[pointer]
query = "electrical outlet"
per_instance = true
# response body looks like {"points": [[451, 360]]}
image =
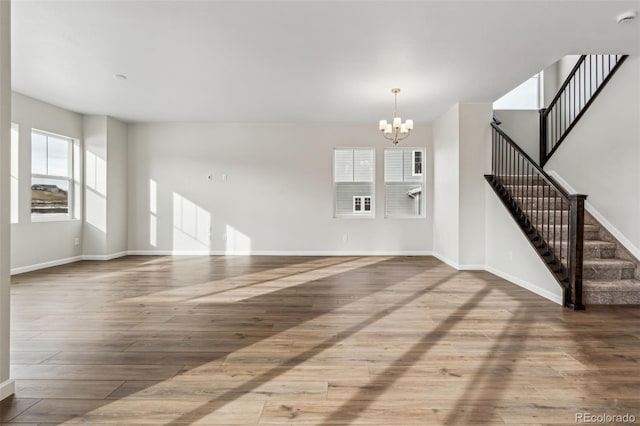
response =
{"points": [[76, 241], [225, 177]]}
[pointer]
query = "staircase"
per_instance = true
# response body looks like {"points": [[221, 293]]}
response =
{"points": [[610, 274], [590, 265]]}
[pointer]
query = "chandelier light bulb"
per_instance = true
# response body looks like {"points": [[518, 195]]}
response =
{"points": [[396, 130]]}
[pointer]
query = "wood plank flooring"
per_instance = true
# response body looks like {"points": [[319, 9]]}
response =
{"points": [[308, 340]]}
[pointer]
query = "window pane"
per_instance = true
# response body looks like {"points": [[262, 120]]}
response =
{"points": [[525, 96], [363, 165], [398, 201], [49, 196], [58, 157], [393, 165], [343, 165], [38, 154], [417, 163], [367, 204]]}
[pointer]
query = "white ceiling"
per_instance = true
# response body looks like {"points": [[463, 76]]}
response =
{"points": [[297, 62]]}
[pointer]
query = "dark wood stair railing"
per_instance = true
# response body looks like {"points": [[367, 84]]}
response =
{"points": [[581, 87], [551, 219]]}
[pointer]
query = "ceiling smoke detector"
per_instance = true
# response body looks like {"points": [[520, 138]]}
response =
{"points": [[626, 17], [120, 76]]}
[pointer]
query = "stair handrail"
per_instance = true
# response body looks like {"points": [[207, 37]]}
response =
{"points": [[569, 278], [580, 101], [530, 160]]}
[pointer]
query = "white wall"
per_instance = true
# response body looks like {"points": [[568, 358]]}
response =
{"points": [[94, 241], [510, 255], [446, 182], [523, 126], [549, 84], [41, 243], [278, 196], [601, 155], [462, 155], [105, 183], [117, 187], [6, 385], [475, 162]]}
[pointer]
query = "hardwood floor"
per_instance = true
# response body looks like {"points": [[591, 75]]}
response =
{"points": [[302, 340]]}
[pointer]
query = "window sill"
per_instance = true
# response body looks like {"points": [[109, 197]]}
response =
{"points": [[405, 217], [354, 217], [53, 218]]}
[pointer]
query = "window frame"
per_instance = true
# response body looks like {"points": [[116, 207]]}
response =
{"points": [[71, 179], [422, 183], [353, 214]]}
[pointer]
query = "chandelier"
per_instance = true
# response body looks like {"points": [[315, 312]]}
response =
{"points": [[396, 130]]}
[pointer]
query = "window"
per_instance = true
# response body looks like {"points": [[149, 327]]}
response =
{"points": [[52, 175], [353, 175], [361, 204], [417, 163], [525, 96], [404, 182], [15, 137]]}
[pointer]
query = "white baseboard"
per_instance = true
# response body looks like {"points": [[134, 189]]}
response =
{"points": [[471, 267], [635, 251], [456, 265], [517, 281], [104, 256], [277, 253], [526, 285], [7, 388], [37, 266], [446, 260]]}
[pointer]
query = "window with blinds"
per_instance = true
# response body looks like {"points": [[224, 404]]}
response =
{"points": [[404, 182], [353, 178]]}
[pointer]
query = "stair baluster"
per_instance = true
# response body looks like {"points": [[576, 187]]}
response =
{"points": [[531, 196]]}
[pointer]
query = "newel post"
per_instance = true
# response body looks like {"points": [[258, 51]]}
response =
{"points": [[575, 252]]}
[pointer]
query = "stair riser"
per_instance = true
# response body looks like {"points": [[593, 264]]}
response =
{"points": [[533, 191], [558, 216], [611, 297], [589, 252], [534, 203], [599, 253], [589, 234], [607, 274], [521, 180]]}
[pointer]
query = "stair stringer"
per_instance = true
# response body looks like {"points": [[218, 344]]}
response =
{"points": [[510, 255]]}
